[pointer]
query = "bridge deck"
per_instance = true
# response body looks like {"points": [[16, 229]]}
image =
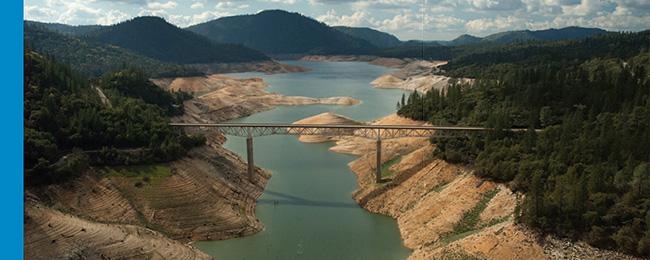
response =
{"points": [[367, 131], [378, 132]]}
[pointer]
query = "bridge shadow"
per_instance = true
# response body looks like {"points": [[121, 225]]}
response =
{"points": [[298, 201]]}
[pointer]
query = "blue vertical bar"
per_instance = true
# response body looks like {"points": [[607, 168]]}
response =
{"points": [[11, 140]]}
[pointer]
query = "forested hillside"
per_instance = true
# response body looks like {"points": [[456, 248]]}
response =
{"points": [[93, 58], [156, 38], [374, 37], [281, 32], [493, 60], [587, 174], [68, 127], [75, 30]]}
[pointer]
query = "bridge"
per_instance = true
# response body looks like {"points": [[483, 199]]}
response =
{"points": [[376, 132]]}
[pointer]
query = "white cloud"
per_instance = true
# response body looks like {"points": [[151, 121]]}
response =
{"points": [[112, 17], [586, 7], [403, 21], [287, 2], [161, 6], [495, 4], [196, 5], [497, 24], [358, 18]]}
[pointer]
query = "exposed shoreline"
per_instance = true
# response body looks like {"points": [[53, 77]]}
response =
{"points": [[221, 98], [267, 67], [427, 197], [411, 74]]}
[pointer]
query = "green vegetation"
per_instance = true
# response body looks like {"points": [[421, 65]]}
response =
{"points": [[298, 34], [376, 38], [468, 225], [470, 218], [156, 38], [93, 58], [494, 60], [585, 174], [141, 174], [457, 254], [385, 168], [67, 128]]}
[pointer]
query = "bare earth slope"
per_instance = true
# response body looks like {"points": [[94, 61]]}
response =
{"points": [[443, 211], [417, 76], [51, 234], [220, 98]]}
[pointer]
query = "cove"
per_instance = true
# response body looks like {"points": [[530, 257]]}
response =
{"points": [[307, 207]]}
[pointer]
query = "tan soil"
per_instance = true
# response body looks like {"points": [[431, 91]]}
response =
{"points": [[324, 118], [51, 234], [501, 241], [417, 76], [220, 98], [268, 67], [379, 61], [428, 197]]}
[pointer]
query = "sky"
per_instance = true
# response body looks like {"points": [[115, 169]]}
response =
{"points": [[407, 19]]}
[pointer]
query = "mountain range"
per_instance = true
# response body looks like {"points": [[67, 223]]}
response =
{"points": [[567, 33], [153, 42], [156, 38], [282, 32]]}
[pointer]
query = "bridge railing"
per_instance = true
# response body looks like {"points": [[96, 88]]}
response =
{"points": [[365, 131], [377, 132]]}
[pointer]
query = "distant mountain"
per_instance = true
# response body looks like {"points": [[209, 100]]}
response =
{"points": [[281, 32], [416, 43], [93, 58], [76, 30], [465, 39], [375, 37], [156, 38], [568, 33]]}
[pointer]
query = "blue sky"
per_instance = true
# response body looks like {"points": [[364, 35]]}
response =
{"points": [[441, 19]]}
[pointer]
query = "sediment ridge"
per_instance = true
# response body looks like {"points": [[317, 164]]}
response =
{"points": [[420, 76], [375, 60], [220, 98], [267, 67]]}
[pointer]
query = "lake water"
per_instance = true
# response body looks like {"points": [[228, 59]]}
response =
{"points": [[307, 207]]}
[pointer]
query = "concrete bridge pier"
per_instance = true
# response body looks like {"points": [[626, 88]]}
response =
{"points": [[249, 154], [378, 167]]}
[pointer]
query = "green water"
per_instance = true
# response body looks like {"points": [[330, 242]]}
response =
{"points": [[307, 207]]}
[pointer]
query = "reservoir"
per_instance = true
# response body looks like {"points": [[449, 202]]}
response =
{"points": [[307, 207]]}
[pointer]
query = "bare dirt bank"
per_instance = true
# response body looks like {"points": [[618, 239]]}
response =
{"points": [[413, 74], [268, 67], [221, 98], [443, 210], [52, 234], [418, 76], [379, 61], [206, 196]]}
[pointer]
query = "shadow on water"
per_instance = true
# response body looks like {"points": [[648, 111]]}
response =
{"points": [[298, 201]]}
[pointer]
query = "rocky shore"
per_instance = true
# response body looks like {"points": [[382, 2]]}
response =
{"points": [[220, 98], [268, 67], [443, 210]]}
